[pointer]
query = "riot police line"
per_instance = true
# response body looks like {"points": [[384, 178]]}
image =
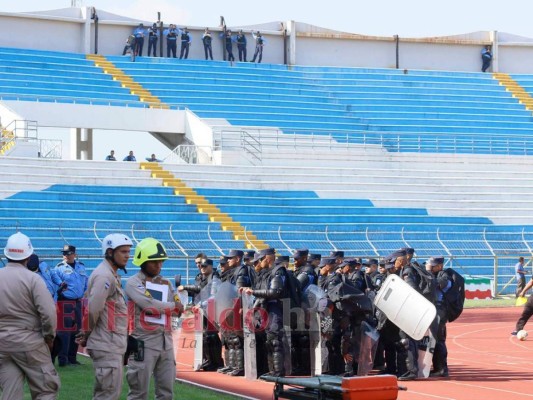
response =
{"points": [[320, 317]]}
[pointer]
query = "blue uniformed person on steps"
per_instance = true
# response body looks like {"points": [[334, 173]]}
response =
{"points": [[185, 43], [241, 45], [153, 36], [139, 33], [172, 37], [207, 39], [71, 278]]}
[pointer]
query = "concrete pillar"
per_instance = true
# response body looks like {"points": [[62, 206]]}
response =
{"points": [[495, 45], [86, 32], [291, 32], [81, 144]]}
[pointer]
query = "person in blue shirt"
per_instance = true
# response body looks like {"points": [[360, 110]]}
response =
{"points": [[130, 157], [207, 39], [259, 43], [43, 270], [111, 156], [153, 36], [139, 33], [241, 45], [185, 43], [172, 37], [486, 58], [520, 274], [71, 278], [152, 158]]}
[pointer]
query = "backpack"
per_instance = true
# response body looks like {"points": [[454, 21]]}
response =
{"points": [[455, 296], [294, 289], [426, 285]]}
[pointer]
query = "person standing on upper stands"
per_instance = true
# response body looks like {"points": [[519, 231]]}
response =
{"points": [[185, 43], [71, 278], [241, 45], [486, 58], [139, 33], [259, 43], [228, 41], [172, 37], [520, 274], [153, 36], [130, 46], [130, 157], [207, 39], [27, 327], [111, 156]]}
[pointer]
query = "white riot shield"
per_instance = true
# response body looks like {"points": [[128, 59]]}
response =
{"points": [[405, 307], [426, 348]]}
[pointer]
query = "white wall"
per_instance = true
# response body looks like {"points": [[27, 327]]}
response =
{"points": [[64, 30]]}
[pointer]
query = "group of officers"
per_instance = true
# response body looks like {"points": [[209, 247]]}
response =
{"points": [[139, 334], [175, 35], [348, 286]]}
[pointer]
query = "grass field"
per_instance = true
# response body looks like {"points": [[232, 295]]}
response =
{"points": [[77, 383]]}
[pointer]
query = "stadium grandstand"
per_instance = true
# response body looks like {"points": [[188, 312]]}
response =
{"points": [[364, 156]]}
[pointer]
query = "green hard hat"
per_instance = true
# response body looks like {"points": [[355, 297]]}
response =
{"points": [[149, 249]]}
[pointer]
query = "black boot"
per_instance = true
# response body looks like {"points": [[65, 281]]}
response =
{"points": [[239, 364], [230, 361]]}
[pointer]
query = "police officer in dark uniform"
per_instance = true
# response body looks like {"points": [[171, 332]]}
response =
{"points": [[71, 278], [300, 340], [228, 41], [332, 364], [172, 37], [153, 35], [212, 346], [241, 45], [259, 43], [314, 261], [270, 294], [435, 265], [248, 258], [207, 40], [185, 43], [238, 275]]}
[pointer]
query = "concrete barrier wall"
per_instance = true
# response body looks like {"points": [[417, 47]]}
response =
{"points": [[73, 30]]}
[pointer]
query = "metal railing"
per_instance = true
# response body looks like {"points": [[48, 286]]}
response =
{"points": [[87, 101], [50, 148], [364, 242], [455, 143], [190, 154]]}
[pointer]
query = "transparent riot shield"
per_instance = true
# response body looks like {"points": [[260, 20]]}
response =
{"points": [[250, 343], [367, 349], [226, 305], [316, 303]]}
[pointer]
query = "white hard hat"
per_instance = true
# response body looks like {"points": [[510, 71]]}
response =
{"points": [[114, 240], [18, 247]]}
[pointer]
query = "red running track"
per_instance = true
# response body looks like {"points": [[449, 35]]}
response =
{"points": [[485, 361]]}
